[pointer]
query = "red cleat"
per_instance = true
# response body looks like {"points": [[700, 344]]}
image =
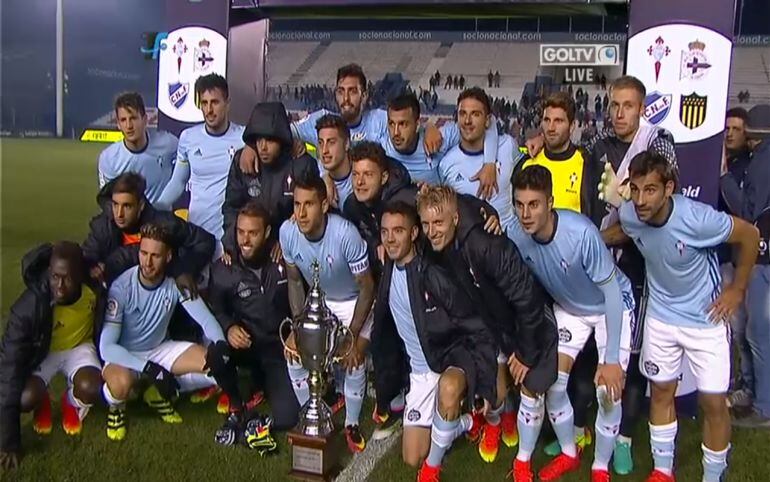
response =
{"points": [[70, 418], [562, 464], [204, 394], [256, 400], [339, 404], [223, 404], [599, 475], [356, 441], [521, 471], [658, 476], [490, 442], [42, 416], [474, 433], [510, 430], [428, 473]]}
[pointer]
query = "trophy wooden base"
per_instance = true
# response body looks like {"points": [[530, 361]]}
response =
{"points": [[314, 458]]}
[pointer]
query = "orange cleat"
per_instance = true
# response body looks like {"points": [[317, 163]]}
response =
{"points": [[256, 400], [204, 394], [510, 430], [356, 441], [490, 442], [70, 418], [428, 473], [658, 476], [474, 433], [223, 404], [521, 471]]}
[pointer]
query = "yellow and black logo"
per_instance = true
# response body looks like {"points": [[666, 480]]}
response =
{"points": [[692, 110]]}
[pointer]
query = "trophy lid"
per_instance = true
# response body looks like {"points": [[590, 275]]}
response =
{"points": [[315, 302]]}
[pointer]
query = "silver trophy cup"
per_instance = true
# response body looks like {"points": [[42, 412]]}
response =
{"points": [[318, 334]]}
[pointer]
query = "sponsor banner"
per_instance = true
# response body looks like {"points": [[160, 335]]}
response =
{"points": [[685, 67], [101, 135], [186, 54], [583, 55], [443, 36]]}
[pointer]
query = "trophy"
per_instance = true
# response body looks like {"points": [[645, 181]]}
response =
{"points": [[317, 336]]}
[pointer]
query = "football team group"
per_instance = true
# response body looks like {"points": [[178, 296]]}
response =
{"points": [[484, 289]]}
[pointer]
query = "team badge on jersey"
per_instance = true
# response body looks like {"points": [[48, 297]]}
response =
{"points": [[564, 265], [231, 152], [680, 246], [692, 110]]}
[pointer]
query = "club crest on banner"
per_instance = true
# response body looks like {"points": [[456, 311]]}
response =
{"points": [[658, 51], [186, 54], [692, 110], [694, 64], [656, 107]]}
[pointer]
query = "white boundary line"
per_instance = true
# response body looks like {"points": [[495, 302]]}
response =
{"points": [[362, 465]]}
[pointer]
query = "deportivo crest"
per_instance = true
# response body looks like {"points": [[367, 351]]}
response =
{"points": [[177, 93], [243, 290], [656, 107], [413, 415], [565, 336], [203, 57], [694, 64], [658, 51], [651, 368], [692, 110]]}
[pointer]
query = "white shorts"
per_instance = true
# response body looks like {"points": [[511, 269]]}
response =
{"points": [[344, 311], [575, 330], [421, 399], [707, 350], [68, 362], [164, 354]]}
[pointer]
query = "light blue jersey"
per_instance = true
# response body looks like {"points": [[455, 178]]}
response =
{"points": [[155, 162], [681, 260], [421, 167], [458, 166], [344, 188], [204, 160], [573, 264], [136, 319], [373, 125], [341, 254], [401, 309]]}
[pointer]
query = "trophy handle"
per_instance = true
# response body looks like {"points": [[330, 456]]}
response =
{"points": [[283, 340], [345, 330]]}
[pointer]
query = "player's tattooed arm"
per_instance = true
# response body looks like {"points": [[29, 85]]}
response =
{"points": [[367, 288], [296, 289], [614, 236]]}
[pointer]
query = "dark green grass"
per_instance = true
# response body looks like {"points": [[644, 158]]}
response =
{"points": [[48, 191]]}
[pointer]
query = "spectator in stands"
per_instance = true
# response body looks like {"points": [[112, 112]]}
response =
{"points": [[456, 82], [497, 78], [437, 76], [603, 82], [448, 84], [605, 102], [490, 78]]}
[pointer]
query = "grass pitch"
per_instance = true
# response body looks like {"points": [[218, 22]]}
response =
{"points": [[48, 193]]}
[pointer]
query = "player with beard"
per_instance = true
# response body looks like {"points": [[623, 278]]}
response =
{"points": [[250, 299], [490, 270], [315, 235], [429, 328], [406, 142], [459, 166], [134, 340], [567, 254], [203, 159], [150, 153], [614, 147], [688, 310], [272, 185], [50, 330]]}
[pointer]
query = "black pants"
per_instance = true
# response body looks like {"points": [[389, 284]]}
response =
{"points": [[268, 366]]}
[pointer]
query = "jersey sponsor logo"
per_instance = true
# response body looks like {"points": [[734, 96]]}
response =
{"points": [[692, 110], [651, 368], [413, 415], [694, 64], [298, 257], [243, 290], [112, 308], [656, 107], [658, 51], [565, 336]]}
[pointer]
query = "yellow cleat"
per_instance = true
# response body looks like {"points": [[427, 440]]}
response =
{"points": [[116, 424], [162, 406], [490, 443]]}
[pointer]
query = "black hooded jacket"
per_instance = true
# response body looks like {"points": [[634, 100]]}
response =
{"points": [[238, 296], [448, 324], [517, 309], [193, 245], [27, 340], [273, 185]]}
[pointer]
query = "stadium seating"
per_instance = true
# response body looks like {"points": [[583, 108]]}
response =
{"points": [[750, 71]]}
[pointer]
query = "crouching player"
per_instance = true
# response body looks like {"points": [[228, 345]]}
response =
{"points": [[134, 340], [422, 316], [567, 254], [50, 330]]}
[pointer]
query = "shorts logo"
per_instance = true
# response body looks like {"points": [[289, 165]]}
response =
{"points": [[565, 336], [651, 368], [413, 415]]}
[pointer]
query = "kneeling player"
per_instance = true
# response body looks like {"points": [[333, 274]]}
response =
{"points": [[250, 299], [451, 355], [134, 339], [49, 330], [567, 254]]}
